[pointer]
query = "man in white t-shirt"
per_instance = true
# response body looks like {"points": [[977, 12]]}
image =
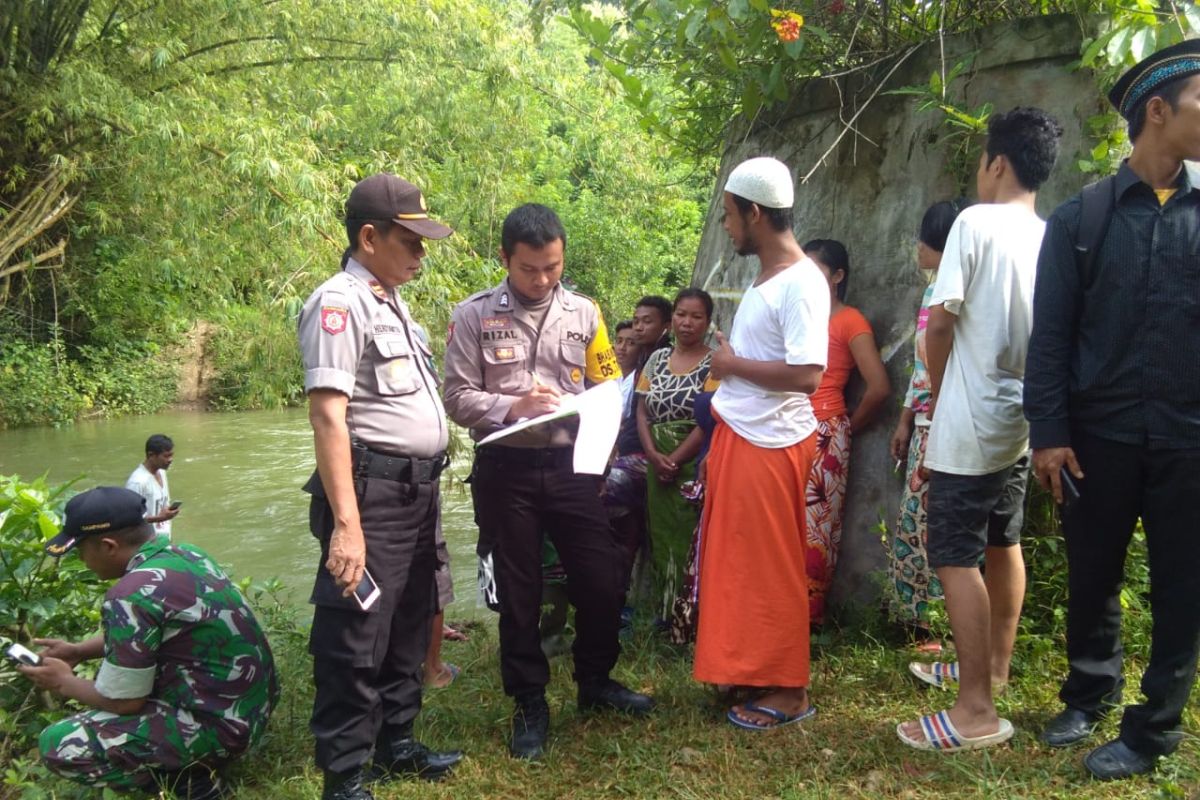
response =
{"points": [[150, 481], [753, 624], [980, 317]]}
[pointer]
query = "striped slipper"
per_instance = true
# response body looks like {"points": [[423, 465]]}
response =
{"points": [[938, 733], [936, 673]]}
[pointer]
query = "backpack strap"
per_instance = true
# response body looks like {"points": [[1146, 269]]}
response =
{"points": [[1098, 201]]}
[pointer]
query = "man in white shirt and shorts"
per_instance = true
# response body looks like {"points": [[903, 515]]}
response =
{"points": [[980, 317]]}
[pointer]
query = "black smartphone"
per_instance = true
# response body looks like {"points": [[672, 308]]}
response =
{"points": [[175, 505], [23, 655], [1070, 490], [367, 591]]}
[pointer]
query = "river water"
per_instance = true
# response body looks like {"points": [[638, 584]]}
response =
{"points": [[239, 476]]}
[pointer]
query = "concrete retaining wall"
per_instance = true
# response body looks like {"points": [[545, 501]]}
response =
{"points": [[871, 192]]}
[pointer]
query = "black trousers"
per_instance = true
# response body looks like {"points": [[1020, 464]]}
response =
{"points": [[367, 665], [1122, 483], [518, 495]]}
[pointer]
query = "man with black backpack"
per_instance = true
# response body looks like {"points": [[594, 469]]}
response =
{"points": [[1112, 394]]}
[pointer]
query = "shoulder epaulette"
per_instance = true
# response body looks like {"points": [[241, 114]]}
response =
{"points": [[477, 296]]}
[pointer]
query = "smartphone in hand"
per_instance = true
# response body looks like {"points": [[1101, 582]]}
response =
{"points": [[23, 656], [1070, 490], [175, 506], [367, 591]]}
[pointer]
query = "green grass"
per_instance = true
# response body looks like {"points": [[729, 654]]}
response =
{"points": [[687, 750]]}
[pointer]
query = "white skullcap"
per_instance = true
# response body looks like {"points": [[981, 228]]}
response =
{"points": [[765, 180]]}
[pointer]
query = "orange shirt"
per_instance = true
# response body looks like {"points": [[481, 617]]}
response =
{"points": [[830, 399]]}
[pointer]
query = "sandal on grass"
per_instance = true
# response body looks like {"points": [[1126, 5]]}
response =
{"points": [[445, 677], [936, 673], [779, 718], [939, 733]]}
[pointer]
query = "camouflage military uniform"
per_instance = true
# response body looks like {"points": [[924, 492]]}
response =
{"points": [[179, 633]]}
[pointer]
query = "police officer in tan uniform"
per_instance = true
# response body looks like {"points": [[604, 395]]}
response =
{"points": [[380, 434], [513, 351]]}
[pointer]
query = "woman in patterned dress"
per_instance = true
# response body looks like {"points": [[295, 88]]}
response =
{"points": [[667, 391], [914, 584], [851, 347]]}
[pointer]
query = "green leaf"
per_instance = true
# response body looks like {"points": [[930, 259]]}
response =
{"points": [[47, 525], [739, 9], [1092, 51], [751, 99], [1118, 46], [1191, 13], [727, 57], [1142, 44], [817, 31], [774, 87]]}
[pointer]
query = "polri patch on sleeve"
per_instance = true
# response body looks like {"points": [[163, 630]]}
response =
{"points": [[333, 319], [450, 332]]}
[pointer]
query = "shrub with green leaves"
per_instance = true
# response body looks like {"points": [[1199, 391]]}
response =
{"points": [[40, 596]]}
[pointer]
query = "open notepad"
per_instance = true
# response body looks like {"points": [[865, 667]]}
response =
{"points": [[599, 411]]}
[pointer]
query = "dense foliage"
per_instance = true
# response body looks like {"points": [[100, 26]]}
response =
{"points": [[696, 70], [184, 160], [39, 596]]}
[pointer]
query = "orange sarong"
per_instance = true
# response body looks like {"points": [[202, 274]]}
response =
{"points": [[753, 581]]}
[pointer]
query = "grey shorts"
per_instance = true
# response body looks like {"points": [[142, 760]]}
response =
{"points": [[968, 513]]}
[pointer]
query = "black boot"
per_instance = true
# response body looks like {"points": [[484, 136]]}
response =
{"points": [[194, 783], [605, 693], [405, 757], [530, 725], [346, 785]]}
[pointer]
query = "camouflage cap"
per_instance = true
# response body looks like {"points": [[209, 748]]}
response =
{"points": [[99, 510]]}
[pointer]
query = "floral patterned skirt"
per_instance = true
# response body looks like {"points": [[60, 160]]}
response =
{"points": [[824, 508], [913, 583]]}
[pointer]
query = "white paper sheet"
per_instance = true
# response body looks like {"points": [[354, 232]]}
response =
{"points": [[599, 410]]}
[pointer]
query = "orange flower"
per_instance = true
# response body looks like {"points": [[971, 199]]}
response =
{"points": [[787, 24]]}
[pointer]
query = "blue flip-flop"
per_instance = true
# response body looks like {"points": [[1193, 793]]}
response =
{"points": [[780, 718]]}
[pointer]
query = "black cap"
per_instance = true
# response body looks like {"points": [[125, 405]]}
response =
{"points": [[1177, 61], [100, 510], [385, 196]]}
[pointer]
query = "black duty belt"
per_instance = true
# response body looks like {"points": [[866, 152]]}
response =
{"points": [[528, 457], [403, 469]]}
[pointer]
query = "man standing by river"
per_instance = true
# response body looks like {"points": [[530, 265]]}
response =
{"points": [[150, 481], [380, 435]]}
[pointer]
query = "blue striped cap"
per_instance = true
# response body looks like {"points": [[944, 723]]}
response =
{"points": [[1177, 61]]}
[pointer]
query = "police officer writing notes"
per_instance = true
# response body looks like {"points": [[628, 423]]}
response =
{"points": [[513, 351], [380, 434]]}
